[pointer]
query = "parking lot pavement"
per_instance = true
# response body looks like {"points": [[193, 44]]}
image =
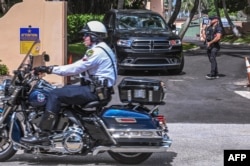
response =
{"points": [[245, 94], [204, 144], [193, 145], [243, 90]]}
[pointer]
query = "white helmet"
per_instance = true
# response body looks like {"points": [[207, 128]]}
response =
{"points": [[95, 28]]}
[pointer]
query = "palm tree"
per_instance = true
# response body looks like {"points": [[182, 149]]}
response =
{"points": [[187, 5], [120, 4], [216, 5], [247, 11], [4, 6], [189, 19], [233, 27], [169, 7], [204, 5], [176, 12]]}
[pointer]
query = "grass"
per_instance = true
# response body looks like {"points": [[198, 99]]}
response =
{"points": [[187, 46], [245, 38]]}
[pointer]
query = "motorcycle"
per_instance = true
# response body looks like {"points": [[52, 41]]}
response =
{"points": [[128, 132]]}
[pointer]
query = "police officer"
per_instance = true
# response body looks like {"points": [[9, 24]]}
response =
{"points": [[213, 35], [98, 62]]}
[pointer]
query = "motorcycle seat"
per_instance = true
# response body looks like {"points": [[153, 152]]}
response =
{"points": [[96, 104], [91, 104]]}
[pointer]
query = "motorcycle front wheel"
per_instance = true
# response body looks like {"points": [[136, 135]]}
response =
{"points": [[6, 147], [130, 158]]}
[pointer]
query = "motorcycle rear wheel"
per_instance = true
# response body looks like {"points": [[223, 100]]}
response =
{"points": [[6, 147], [129, 158]]}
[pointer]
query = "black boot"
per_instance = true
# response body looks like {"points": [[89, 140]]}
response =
{"points": [[46, 125]]}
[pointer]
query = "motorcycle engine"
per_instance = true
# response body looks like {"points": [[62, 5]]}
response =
{"points": [[67, 140], [72, 141]]}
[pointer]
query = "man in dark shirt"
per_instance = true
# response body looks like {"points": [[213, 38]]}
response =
{"points": [[213, 35]]}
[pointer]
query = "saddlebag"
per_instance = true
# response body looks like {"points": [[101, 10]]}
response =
{"points": [[131, 124]]}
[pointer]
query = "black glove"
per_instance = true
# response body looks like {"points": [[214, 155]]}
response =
{"points": [[43, 69]]}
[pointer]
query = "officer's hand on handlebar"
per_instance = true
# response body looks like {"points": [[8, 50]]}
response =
{"points": [[43, 69]]}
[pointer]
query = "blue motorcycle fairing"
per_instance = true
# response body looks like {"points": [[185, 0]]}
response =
{"points": [[142, 120], [17, 132]]}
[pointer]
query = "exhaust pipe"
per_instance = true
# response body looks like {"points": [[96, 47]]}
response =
{"points": [[134, 149]]}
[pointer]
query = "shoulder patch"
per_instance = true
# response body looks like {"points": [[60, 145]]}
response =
{"points": [[89, 53]]}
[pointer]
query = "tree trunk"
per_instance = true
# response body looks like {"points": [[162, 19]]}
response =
{"points": [[120, 4], [233, 27], [218, 13], [248, 14], [4, 6], [176, 12], [169, 10], [189, 19]]}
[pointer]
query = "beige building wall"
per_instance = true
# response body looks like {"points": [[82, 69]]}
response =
{"points": [[50, 18], [156, 6]]}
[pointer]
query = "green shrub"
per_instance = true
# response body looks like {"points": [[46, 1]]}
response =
{"points": [[3, 69], [77, 48], [76, 23]]}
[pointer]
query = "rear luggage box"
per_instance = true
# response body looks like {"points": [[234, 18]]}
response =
{"points": [[141, 90]]}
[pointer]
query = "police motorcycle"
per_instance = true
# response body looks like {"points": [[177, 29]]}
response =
{"points": [[129, 132]]}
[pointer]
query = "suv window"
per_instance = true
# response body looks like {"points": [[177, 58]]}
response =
{"points": [[140, 21]]}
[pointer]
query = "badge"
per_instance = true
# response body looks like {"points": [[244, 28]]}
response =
{"points": [[40, 97], [89, 53]]}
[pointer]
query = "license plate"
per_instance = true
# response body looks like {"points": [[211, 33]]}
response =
{"points": [[139, 93]]}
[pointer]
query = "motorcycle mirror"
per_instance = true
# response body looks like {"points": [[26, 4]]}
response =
{"points": [[46, 58]]}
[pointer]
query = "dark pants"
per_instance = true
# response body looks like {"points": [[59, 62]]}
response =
{"points": [[212, 53], [69, 94]]}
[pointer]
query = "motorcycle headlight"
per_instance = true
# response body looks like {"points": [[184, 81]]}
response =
{"points": [[5, 85], [1, 88]]}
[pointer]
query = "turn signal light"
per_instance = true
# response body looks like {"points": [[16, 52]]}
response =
{"points": [[162, 119]]}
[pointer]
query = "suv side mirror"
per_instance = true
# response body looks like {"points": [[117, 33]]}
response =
{"points": [[172, 26]]}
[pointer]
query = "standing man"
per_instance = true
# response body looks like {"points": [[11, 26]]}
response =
{"points": [[212, 36]]}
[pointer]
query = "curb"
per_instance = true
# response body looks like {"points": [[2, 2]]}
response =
{"points": [[222, 43], [237, 44]]}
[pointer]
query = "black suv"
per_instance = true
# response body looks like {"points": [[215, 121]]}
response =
{"points": [[142, 40]]}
